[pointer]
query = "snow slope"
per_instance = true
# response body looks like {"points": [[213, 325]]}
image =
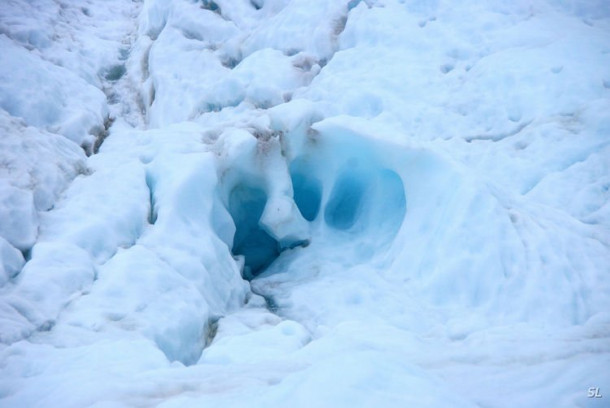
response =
{"points": [[304, 203]]}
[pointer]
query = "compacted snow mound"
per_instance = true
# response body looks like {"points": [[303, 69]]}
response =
{"points": [[305, 203], [36, 167], [48, 96], [58, 59], [12, 261], [52, 106]]}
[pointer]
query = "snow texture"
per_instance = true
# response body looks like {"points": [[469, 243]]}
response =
{"points": [[378, 203]]}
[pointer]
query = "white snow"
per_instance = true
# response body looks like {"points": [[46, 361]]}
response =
{"points": [[304, 203], [47, 96]]}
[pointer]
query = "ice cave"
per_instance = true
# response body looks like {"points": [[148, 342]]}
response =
{"points": [[304, 203]]}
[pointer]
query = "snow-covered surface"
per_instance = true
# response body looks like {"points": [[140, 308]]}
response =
{"points": [[417, 191]]}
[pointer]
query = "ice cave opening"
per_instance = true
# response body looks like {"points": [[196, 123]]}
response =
{"points": [[348, 194], [259, 249], [307, 189], [364, 201]]}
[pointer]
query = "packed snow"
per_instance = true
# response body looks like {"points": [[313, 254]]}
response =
{"points": [[380, 203]]}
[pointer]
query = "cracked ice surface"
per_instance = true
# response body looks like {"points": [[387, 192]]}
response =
{"points": [[304, 203]]}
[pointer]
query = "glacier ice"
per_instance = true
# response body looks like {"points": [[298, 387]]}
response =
{"points": [[246, 205], [307, 188], [304, 203]]}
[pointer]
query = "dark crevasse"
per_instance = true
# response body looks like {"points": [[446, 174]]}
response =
{"points": [[246, 205]]}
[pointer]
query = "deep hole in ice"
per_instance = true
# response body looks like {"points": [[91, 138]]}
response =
{"points": [[365, 198], [229, 62], [391, 202], [123, 54], [115, 73], [345, 200], [307, 189], [257, 4], [246, 205], [210, 5]]}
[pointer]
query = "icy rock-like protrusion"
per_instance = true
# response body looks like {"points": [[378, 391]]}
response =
{"points": [[257, 191], [281, 217], [183, 187], [284, 222], [342, 176]]}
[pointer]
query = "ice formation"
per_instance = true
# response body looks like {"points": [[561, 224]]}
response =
{"points": [[304, 203]]}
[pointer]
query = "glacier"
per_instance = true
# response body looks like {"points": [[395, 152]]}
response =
{"points": [[304, 203]]}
